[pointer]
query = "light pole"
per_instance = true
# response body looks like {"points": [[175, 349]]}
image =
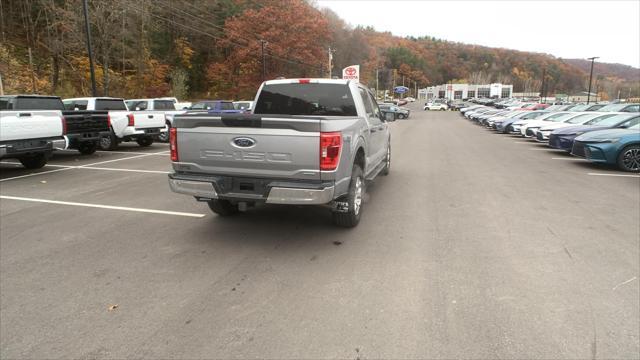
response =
{"points": [[590, 77]]}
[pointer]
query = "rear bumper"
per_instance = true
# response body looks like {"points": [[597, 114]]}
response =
{"points": [[133, 131], [19, 148], [265, 190]]}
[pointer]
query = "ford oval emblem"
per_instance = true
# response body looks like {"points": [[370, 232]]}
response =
{"points": [[244, 142]]}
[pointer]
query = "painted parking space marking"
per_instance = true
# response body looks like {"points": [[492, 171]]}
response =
{"points": [[80, 166], [109, 207], [614, 175], [568, 158], [124, 152]]}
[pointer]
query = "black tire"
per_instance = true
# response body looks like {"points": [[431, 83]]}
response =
{"points": [[629, 158], [108, 142], [87, 147], [164, 136], [387, 167], [223, 207], [145, 141], [354, 198], [401, 116], [34, 161]]}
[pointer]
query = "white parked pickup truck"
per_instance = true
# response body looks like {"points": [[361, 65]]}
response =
{"points": [[140, 126], [29, 135], [163, 105]]}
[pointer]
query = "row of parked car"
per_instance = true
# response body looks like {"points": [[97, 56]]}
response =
{"points": [[32, 127], [600, 133]]}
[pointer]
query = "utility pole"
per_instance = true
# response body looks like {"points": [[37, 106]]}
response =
{"points": [[33, 77], [85, 8], [544, 74], [376, 83], [330, 52], [264, 60], [590, 77], [393, 89]]}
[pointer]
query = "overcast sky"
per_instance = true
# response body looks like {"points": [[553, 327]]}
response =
{"points": [[567, 29]]}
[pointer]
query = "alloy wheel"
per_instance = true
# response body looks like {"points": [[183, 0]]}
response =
{"points": [[357, 201], [631, 159]]}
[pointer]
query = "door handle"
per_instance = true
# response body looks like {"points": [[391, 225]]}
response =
{"points": [[150, 116], [24, 114], [372, 130]]}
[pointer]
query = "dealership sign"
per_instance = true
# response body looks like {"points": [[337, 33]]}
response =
{"points": [[351, 72], [400, 89]]}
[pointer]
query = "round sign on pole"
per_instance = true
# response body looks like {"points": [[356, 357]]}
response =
{"points": [[400, 89]]}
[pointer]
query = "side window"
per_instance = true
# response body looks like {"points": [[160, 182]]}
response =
{"points": [[367, 103], [629, 123], [632, 108], [376, 108]]}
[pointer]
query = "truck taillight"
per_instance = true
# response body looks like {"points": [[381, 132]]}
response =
{"points": [[109, 120], [173, 143], [132, 121], [64, 125], [330, 146]]}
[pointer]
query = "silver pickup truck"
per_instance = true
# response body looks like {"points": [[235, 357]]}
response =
{"points": [[307, 142]]}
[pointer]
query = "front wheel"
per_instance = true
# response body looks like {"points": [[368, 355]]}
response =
{"points": [[144, 141], [34, 161], [354, 199], [222, 207], [629, 158], [387, 161], [87, 148], [401, 116]]}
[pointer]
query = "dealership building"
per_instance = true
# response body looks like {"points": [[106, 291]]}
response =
{"points": [[465, 91]]}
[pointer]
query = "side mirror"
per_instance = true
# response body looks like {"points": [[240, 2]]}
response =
{"points": [[208, 107], [137, 108], [388, 116]]}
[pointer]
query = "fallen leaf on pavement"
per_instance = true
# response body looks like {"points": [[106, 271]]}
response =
{"points": [[113, 307]]}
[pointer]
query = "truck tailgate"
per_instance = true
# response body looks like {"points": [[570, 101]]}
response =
{"points": [[249, 145], [149, 119], [30, 124]]}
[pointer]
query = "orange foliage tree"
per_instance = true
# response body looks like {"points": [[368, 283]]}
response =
{"points": [[295, 33]]}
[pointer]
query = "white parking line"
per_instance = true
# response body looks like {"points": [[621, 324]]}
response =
{"points": [[568, 158], [123, 152], [615, 175], [152, 211], [81, 166]]}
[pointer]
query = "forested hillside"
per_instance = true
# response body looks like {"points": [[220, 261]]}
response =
{"points": [[213, 49]]}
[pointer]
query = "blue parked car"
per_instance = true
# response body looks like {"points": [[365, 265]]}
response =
{"points": [[619, 147], [563, 138], [216, 107]]}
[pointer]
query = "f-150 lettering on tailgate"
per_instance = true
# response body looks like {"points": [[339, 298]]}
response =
{"points": [[246, 156]]}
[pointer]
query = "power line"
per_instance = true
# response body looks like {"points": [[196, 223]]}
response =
{"points": [[206, 33]]}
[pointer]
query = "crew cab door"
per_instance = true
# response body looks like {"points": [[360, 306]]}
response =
{"points": [[378, 130]]}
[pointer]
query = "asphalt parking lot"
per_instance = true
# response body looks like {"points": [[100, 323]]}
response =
{"points": [[478, 245]]}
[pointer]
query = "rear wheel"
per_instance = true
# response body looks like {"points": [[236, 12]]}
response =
{"points": [[164, 136], [109, 142], [144, 141], [87, 147], [222, 207], [629, 158], [354, 200], [34, 161]]}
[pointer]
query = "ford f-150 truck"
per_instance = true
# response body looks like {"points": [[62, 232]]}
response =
{"points": [[140, 126], [81, 130], [308, 142]]}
